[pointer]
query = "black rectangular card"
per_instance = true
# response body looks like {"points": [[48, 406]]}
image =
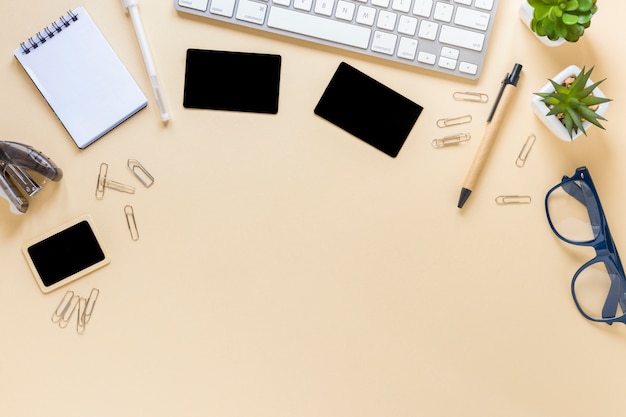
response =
{"points": [[368, 109], [235, 81], [65, 254]]}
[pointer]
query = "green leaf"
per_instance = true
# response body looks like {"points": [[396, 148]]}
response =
{"points": [[541, 12], [569, 125], [585, 5], [570, 19], [593, 100], [558, 109], [575, 118], [588, 90], [560, 29], [555, 13], [592, 117], [570, 6]]}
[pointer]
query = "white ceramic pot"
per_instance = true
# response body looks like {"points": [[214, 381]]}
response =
{"points": [[552, 122], [526, 14]]}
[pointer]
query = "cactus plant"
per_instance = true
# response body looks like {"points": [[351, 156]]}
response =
{"points": [[573, 102], [562, 19]]}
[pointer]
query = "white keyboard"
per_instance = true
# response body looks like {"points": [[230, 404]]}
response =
{"points": [[448, 36]]}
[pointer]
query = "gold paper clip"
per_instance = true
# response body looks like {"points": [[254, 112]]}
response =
{"points": [[451, 140], [503, 200], [102, 177], [469, 96], [528, 145], [118, 186], [104, 182], [130, 220], [140, 172], [453, 121]]}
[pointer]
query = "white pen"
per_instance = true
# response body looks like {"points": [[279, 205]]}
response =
{"points": [[130, 6]]}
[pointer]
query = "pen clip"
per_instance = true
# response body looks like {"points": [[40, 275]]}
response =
{"points": [[511, 78]]}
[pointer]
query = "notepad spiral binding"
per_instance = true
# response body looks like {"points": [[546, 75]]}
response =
{"points": [[49, 32]]}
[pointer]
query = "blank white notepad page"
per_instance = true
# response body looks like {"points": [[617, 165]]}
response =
{"points": [[81, 77]]}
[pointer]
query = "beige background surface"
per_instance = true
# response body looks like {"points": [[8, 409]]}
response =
{"points": [[285, 268]]}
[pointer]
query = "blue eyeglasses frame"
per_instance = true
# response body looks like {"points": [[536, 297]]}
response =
{"points": [[603, 244]]}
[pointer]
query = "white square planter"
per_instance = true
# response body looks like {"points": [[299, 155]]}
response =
{"points": [[526, 14], [552, 122]]}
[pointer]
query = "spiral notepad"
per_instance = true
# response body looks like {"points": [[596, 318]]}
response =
{"points": [[81, 77]]}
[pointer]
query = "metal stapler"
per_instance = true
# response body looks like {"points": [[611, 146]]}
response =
{"points": [[16, 184]]}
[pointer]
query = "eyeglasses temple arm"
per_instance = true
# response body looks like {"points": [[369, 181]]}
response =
{"points": [[616, 295]]}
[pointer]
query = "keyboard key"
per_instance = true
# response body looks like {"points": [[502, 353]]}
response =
{"points": [[472, 19], [194, 4], [384, 42], [428, 30], [426, 58], [465, 2], [447, 63], [305, 5], [345, 10], [407, 48], [366, 15], [282, 2], [484, 4], [462, 38], [223, 7], [324, 7], [401, 5], [443, 12], [380, 3], [386, 20], [319, 27], [450, 53], [251, 11], [423, 8], [468, 68], [407, 25]]}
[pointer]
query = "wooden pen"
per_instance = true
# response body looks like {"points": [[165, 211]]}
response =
{"points": [[494, 121]]}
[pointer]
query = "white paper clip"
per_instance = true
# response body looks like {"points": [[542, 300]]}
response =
{"points": [[140, 172], [453, 121], [70, 303], [129, 212], [80, 320], [68, 310], [451, 140], [61, 309], [90, 304], [470, 96], [523, 154], [503, 200]]}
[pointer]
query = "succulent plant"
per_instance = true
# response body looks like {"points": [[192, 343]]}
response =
{"points": [[573, 102], [565, 19]]}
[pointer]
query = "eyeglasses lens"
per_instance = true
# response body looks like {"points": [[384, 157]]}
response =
{"points": [[599, 291], [574, 212]]}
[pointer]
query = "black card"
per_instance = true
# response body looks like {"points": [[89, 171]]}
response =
{"points": [[65, 254], [235, 81], [368, 109]]}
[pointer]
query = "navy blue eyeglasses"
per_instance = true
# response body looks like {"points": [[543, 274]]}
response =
{"points": [[576, 217]]}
